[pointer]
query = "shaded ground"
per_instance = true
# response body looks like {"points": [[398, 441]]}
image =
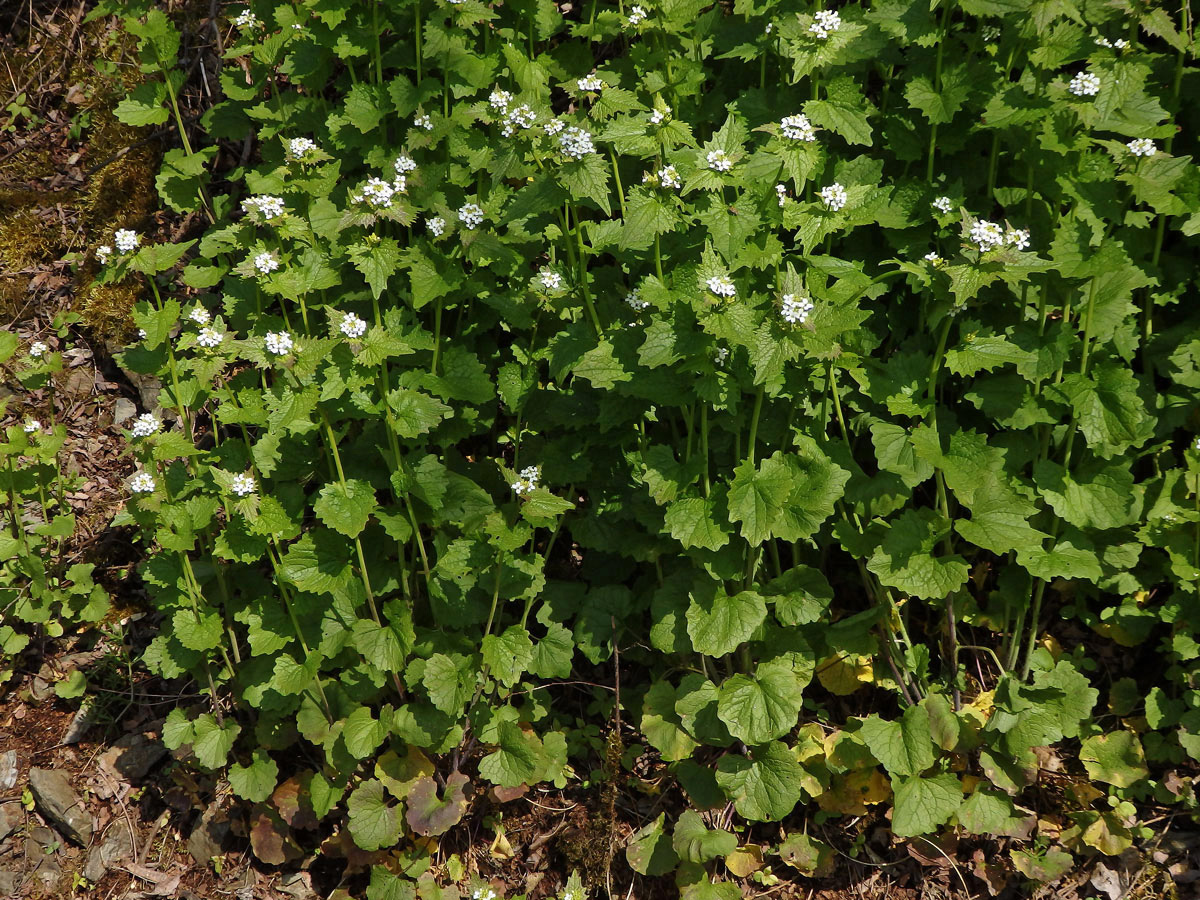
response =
{"points": [[69, 175]]}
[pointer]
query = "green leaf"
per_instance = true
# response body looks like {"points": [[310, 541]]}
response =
{"points": [[905, 559], [1115, 758], [429, 814], [904, 747], [377, 261], [374, 824], [601, 368], [1110, 413], [924, 804], [757, 496], [719, 623], [762, 706], [346, 507], [508, 654], [449, 681], [515, 761], [649, 850], [414, 413], [362, 732], [696, 843], [844, 111], [662, 725], [255, 782], [765, 788], [212, 742], [992, 813], [692, 522]]}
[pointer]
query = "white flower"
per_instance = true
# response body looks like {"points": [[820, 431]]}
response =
{"points": [[352, 326], [127, 241], [278, 342], [720, 355], [142, 333], [826, 22], [660, 115], [553, 127], [718, 161], [266, 206], [576, 143], [300, 147], [209, 338], [781, 193], [1142, 147], [499, 100], [933, 258], [551, 280], [527, 480], [986, 235], [770, 27], [990, 33], [142, 483], [266, 263], [795, 309], [423, 122], [488, 894], [246, 20], [1085, 84], [834, 196], [37, 349], [103, 252], [243, 484], [404, 164], [376, 193], [1017, 237], [32, 425], [943, 204], [1120, 44], [721, 285], [436, 225], [590, 83], [470, 215], [1103, 42], [1196, 445], [637, 15], [199, 315], [798, 128], [518, 119], [145, 425], [669, 178], [636, 303]]}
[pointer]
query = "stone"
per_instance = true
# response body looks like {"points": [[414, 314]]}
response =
{"points": [[208, 837], [8, 770], [60, 804], [49, 873], [11, 816], [117, 847], [123, 410], [10, 883], [131, 757], [85, 717]]}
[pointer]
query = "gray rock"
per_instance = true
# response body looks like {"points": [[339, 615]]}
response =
{"points": [[117, 847], [131, 757], [49, 873], [123, 410], [53, 795], [86, 716], [208, 837], [8, 770], [11, 816], [10, 883]]}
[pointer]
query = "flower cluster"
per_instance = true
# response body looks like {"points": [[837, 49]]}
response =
{"points": [[636, 303], [553, 127], [527, 480], [404, 164], [299, 148], [378, 193], [988, 236], [103, 252], [1085, 84], [126, 240], [1118, 44], [265, 263], [798, 128], [576, 143], [1142, 147], [590, 83], [247, 21], [932, 258], [145, 425], [38, 349], [781, 193], [142, 483], [499, 99], [470, 215], [719, 161], [834, 196], [209, 338], [436, 225], [637, 15], [423, 122], [795, 309], [660, 115], [551, 280], [943, 204], [722, 286], [352, 326], [32, 426], [199, 315], [265, 206], [825, 23], [667, 177], [243, 484], [279, 343], [520, 118]]}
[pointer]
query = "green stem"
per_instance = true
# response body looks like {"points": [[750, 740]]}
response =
{"points": [[758, 402]]}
